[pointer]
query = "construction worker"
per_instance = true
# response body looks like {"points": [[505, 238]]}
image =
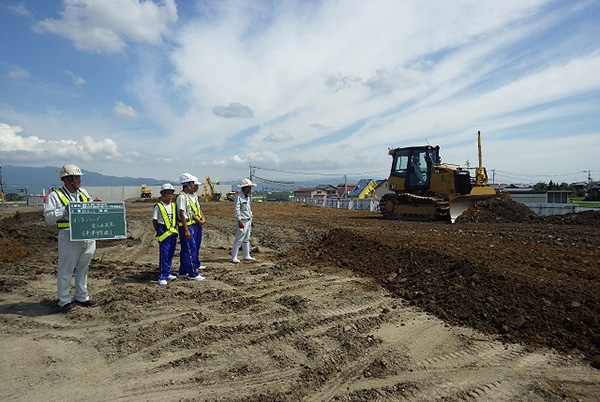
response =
{"points": [[165, 224], [199, 218], [243, 217], [188, 260], [73, 256]]}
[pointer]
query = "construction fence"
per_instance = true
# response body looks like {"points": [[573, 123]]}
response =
{"points": [[547, 209], [344, 203], [541, 209]]}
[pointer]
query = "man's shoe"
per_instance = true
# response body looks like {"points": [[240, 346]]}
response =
{"points": [[235, 261], [162, 282], [182, 276], [171, 277], [202, 267], [67, 308], [196, 278], [87, 303], [249, 258]]}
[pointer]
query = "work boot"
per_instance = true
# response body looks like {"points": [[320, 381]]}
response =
{"points": [[67, 308], [87, 303], [246, 249], [234, 253]]}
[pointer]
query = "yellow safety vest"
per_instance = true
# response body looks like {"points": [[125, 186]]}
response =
{"points": [[64, 223], [192, 209], [196, 207], [170, 224]]}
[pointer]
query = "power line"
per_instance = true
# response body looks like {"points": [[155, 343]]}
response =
{"points": [[542, 175], [318, 174], [275, 183]]}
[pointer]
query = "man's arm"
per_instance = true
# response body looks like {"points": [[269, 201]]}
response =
{"points": [[53, 208], [201, 221], [184, 224]]}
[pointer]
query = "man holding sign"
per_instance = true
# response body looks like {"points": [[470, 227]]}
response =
{"points": [[73, 256]]}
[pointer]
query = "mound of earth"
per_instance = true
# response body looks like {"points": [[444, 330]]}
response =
{"points": [[497, 210], [591, 218], [542, 299], [25, 230]]}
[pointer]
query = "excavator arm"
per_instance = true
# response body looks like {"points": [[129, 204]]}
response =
{"points": [[209, 193]]}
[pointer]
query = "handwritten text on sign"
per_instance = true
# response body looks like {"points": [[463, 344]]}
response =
{"points": [[97, 220]]}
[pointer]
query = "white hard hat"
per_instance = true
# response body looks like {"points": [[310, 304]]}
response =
{"points": [[70, 170], [246, 183], [186, 178], [167, 186], [196, 180]]}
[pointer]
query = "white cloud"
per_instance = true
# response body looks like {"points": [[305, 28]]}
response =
{"points": [[18, 73], [279, 136], [235, 109], [76, 79], [105, 25], [386, 80], [122, 110], [19, 147], [263, 156], [339, 81], [237, 159], [319, 126], [19, 9]]}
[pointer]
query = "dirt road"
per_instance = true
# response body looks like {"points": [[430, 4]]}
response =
{"points": [[339, 306]]}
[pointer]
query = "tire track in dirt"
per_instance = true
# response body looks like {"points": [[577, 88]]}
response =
{"points": [[284, 336]]}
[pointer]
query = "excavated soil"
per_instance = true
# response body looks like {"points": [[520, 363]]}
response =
{"points": [[339, 306]]}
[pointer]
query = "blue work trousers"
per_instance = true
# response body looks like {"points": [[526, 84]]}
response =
{"points": [[188, 256], [198, 244], [166, 250]]}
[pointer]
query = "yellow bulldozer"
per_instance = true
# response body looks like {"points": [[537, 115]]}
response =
{"points": [[424, 188], [145, 192]]}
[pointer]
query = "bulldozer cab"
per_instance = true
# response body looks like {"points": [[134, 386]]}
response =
{"points": [[414, 165]]}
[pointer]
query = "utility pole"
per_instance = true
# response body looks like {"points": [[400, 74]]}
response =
{"points": [[1, 180], [493, 176], [589, 172], [2, 195], [345, 187]]}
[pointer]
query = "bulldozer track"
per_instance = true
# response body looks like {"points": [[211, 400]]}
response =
{"points": [[414, 207]]}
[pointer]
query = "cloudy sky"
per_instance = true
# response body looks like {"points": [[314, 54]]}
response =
{"points": [[300, 89]]}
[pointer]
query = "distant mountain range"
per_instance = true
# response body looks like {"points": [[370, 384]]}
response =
{"points": [[33, 179], [17, 179]]}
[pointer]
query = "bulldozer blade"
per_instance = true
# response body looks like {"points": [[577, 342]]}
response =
{"points": [[461, 203]]}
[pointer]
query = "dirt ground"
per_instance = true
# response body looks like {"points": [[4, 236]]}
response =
{"points": [[338, 306]]}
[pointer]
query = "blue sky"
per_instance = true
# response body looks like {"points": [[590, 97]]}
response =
{"points": [[319, 88]]}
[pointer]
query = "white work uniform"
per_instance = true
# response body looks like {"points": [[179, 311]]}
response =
{"points": [[243, 212], [73, 256]]}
